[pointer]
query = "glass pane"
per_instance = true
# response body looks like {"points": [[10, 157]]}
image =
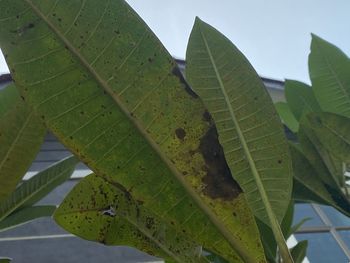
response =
{"points": [[345, 235], [305, 210], [322, 248], [337, 218]]}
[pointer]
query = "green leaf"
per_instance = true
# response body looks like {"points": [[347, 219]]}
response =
{"points": [[329, 71], [8, 97], [308, 187], [5, 260], [25, 215], [21, 135], [288, 221], [268, 239], [334, 133], [287, 116], [314, 152], [216, 259], [298, 225], [113, 217], [299, 251], [300, 98], [306, 179], [250, 131], [113, 95], [34, 189]]}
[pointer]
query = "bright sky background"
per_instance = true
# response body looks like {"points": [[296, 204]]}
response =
{"points": [[273, 34]]}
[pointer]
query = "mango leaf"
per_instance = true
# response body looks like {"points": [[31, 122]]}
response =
{"points": [[333, 131], [32, 190], [308, 187], [250, 131], [120, 220], [109, 90], [299, 251], [21, 135], [25, 215], [300, 98], [5, 260], [329, 71], [287, 116]]}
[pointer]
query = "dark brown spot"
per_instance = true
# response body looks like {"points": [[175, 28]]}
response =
{"points": [[180, 133], [279, 161], [176, 71], [149, 222], [207, 117], [218, 179]]}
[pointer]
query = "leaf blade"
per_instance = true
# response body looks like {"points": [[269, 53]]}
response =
{"points": [[329, 72], [32, 190], [201, 34], [22, 133], [122, 221], [118, 128], [25, 215]]}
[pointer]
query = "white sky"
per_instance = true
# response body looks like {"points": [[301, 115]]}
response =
{"points": [[273, 34]]}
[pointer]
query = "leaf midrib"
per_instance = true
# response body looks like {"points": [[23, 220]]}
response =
{"points": [[222, 229]]}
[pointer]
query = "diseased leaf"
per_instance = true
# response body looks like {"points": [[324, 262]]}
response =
{"points": [[329, 71], [249, 128], [22, 134], [25, 215], [299, 251], [109, 90], [107, 213], [287, 116], [250, 131], [32, 190]]}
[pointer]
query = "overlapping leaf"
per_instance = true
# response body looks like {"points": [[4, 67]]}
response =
{"points": [[300, 98], [334, 132], [113, 217], [21, 135], [108, 89], [287, 116], [309, 187], [25, 215], [32, 190], [250, 131]]}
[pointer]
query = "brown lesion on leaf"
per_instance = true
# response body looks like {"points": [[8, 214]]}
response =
{"points": [[176, 71], [218, 179], [20, 31], [180, 133], [207, 116]]}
